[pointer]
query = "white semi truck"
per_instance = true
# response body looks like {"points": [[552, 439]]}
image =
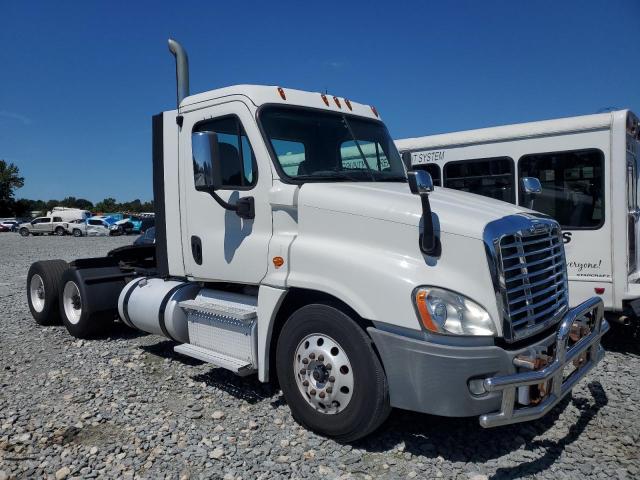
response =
{"points": [[588, 167], [357, 288]]}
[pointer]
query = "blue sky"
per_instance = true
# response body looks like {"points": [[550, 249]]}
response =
{"points": [[79, 81]]}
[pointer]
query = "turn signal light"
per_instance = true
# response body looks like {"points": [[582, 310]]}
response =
{"points": [[278, 262], [281, 92], [425, 316]]}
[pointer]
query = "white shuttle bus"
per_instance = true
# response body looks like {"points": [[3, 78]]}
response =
{"points": [[588, 170]]}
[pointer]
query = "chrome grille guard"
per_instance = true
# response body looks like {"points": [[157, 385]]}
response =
{"points": [[564, 355]]}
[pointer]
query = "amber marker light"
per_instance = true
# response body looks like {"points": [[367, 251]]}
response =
{"points": [[281, 92], [423, 310], [348, 103], [325, 99], [375, 112], [335, 99], [278, 262]]}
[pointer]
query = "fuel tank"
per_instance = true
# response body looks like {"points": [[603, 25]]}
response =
{"points": [[151, 305]]}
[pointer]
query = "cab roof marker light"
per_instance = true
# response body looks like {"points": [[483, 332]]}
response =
{"points": [[281, 92], [375, 112], [325, 99], [337, 100], [348, 103]]}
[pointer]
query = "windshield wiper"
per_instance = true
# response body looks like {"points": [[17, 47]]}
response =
{"points": [[364, 159], [326, 176]]}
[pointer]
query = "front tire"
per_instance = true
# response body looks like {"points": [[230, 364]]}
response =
{"points": [[24, 232], [330, 375], [59, 231], [77, 232], [43, 285]]}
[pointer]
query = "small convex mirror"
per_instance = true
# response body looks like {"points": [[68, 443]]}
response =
{"points": [[531, 186], [204, 146], [420, 182]]}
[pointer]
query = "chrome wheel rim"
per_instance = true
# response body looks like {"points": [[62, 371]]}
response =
{"points": [[323, 373], [72, 302], [36, 292]]}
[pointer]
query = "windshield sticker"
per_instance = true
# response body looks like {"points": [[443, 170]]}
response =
{"points": [[426, 157]]}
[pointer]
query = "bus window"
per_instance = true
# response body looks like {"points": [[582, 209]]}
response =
{"points": [[572, 186], [432, 169], [491, 177]]}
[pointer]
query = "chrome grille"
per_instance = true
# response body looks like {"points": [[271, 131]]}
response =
{"points": [[531, 276]]}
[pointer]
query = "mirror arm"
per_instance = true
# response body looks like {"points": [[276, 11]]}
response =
{"points": [[245, 208], [428, 241]]}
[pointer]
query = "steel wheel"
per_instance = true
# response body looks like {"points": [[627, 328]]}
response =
{"points": [[77, 233], [72, 302], [323, 373], [36, 292]]}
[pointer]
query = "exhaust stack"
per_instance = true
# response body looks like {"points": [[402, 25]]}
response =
{"points": [[182, 69]]}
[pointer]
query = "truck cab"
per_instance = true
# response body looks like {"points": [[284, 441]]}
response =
{"points": [[292, 244]]}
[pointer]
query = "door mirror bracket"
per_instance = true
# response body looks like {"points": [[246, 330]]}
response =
{"points": [[244, 208], [421, 183]]}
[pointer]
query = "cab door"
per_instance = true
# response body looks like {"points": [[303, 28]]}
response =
{"points": [[218, 244]]}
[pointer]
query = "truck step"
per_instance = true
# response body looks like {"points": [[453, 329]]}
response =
{"points": [[239, 367], [224, 325], [221, 308]]}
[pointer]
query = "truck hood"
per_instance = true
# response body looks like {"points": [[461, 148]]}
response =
{"points": [[456, 212]]}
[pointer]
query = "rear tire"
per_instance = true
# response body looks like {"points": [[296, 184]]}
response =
{"points": [[24, 232], [343, 393], [76, 308], [43, 284]]}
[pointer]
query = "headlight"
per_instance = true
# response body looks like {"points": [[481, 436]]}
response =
{"points": [[444, 311], [113, 227]]}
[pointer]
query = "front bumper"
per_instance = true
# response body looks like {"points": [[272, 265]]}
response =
{"points": [[433, 378], [584, 354]]}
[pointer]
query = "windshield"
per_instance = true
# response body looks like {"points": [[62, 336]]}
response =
{"points": [[313, 145]]}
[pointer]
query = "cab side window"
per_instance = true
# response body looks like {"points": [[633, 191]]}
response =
{"points": [[57, 219], [221, 148], [491, 177], [572, 186]]}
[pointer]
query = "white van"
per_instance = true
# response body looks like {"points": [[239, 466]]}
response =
{"points": [[69, 214], [588, 168]]}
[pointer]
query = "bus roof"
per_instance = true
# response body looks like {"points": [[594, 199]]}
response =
{"points": [[598, 121]]}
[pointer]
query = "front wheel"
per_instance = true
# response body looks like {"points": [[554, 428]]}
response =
{"points": [[24, 232], [330, 375], [59, 231], [77, 232]]}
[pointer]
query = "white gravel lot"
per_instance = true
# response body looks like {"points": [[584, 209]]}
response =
{"points": [[126, 406]]}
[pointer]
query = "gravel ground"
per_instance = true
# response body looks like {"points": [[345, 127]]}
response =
{"points": [[126, 406]]}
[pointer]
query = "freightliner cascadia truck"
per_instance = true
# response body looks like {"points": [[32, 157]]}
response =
{"points": [[291, 243]]}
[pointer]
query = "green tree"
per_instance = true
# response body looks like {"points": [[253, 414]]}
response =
{"points": [[108, 205], [10, 180]]}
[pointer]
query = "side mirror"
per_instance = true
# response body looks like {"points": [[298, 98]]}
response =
{"points": [[206, 171], [420, 182], [530, 188]]}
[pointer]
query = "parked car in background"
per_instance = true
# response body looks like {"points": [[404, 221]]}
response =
{"points": [[9, 225], [77, 228], [43, 226], [99, 226], [147, 238]]}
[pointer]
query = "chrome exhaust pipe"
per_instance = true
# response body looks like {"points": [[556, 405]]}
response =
{"points": [[182, 70]]}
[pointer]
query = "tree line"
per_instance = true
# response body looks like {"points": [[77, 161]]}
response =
{"points": [[10, 180]]}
